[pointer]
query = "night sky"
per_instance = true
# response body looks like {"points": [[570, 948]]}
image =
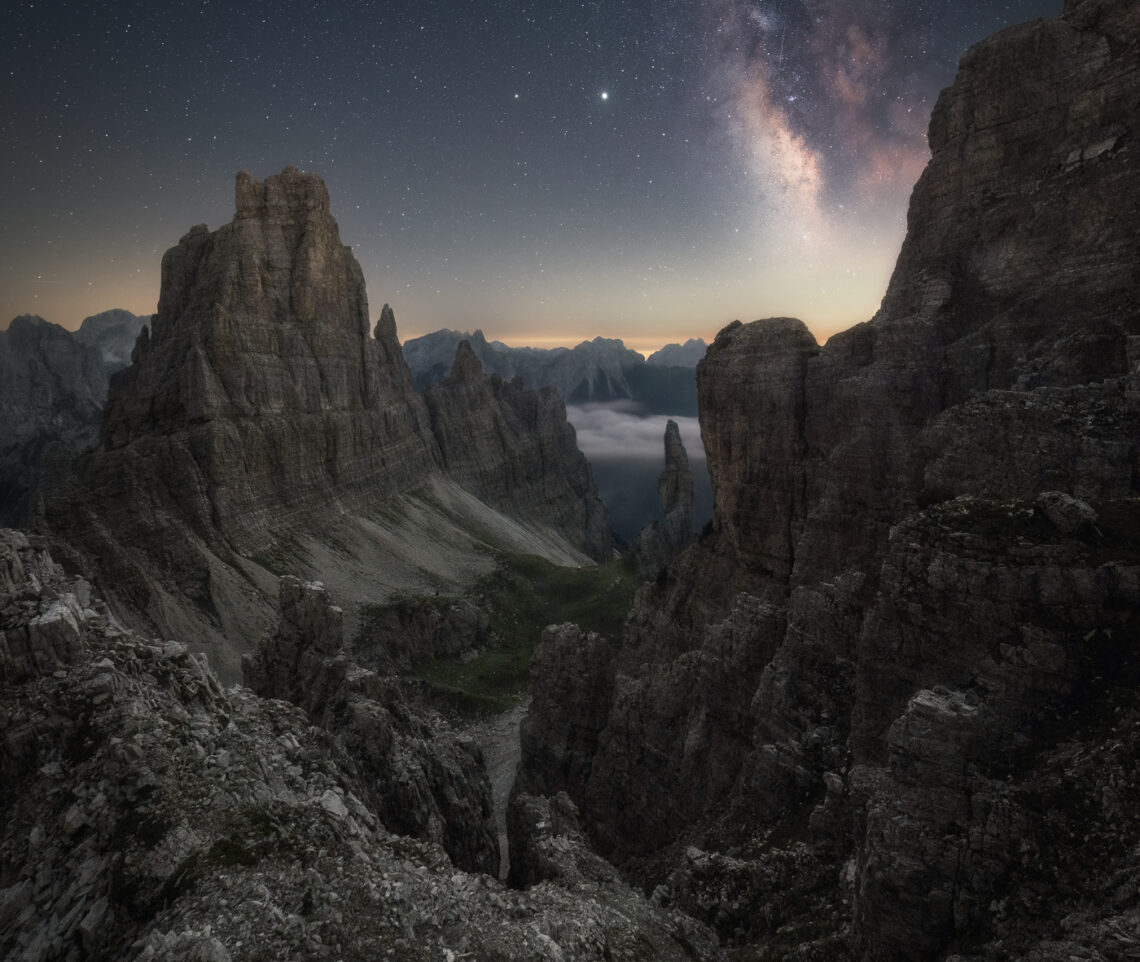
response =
{"points": [[547, 171]]}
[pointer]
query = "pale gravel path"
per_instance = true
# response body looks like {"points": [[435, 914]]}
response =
{"points": [[499, 739]]}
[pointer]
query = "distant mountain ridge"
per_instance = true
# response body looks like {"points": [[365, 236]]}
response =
{"points": [[599, 370], [688, 354], [53, 384], [113, 334]]}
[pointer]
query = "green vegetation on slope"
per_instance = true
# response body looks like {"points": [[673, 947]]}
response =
{"points": [[521, 597]]}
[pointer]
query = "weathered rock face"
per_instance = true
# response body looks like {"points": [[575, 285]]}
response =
{"points": [[259, 378], [51, 396], [41, 614], [262, 427], [660, 541], [395, 637], [857, 667], [53, 384], [150, 814], [513, 448]]}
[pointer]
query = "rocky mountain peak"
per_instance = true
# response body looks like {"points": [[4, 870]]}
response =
{"points": [[675, 486], [513, 448], [286, 193], [662, 540], [262, 412], [466, 367]]}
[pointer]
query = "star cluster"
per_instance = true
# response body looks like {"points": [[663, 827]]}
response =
{"points": [[547, 171]]}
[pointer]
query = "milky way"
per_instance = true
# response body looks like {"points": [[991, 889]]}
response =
{"points": [[547, 171]]}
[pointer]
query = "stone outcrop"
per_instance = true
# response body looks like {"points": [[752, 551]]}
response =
{"points": [[258, 381], [915, 607], [662, 540], [264, 426], [513, 448], [42, 613], [150, 814], [411, 630]]}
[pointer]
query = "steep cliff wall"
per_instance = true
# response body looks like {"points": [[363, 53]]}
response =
{"points": [[263, 428], [259, 377], [513, 448], [662, 540], [852, 660]]}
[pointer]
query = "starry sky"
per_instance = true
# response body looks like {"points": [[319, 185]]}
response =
{"points": [[546, 170]]}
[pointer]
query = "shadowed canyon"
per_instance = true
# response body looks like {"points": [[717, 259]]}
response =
{"points": [[884, 707]]}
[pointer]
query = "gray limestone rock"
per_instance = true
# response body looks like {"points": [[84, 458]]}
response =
{"points": [[660, 541], [150, 814], [513, 448], [52, 390], [920, 578], [417, 777], [265, 426]]}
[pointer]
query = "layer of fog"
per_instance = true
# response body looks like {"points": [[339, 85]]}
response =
{"points": [[626, 450], [618, 430]]}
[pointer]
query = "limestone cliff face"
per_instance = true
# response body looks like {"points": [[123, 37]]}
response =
{"points": [[418, 778], [660, 541], [513, 448], [263, 427], [259, 378], [855, 663]]}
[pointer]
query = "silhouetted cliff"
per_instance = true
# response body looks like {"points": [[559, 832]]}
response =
{"points": [[840, 723]]}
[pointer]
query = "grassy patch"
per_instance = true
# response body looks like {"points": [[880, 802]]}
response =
{"points": [[522, 596]]}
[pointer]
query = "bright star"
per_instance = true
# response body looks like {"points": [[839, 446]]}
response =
{"points": [[605, 95]]}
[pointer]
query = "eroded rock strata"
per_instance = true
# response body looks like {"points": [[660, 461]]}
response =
{"points": [[513, 448], [51, 397], [418, 778], [840, 724], [265, 426]]}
